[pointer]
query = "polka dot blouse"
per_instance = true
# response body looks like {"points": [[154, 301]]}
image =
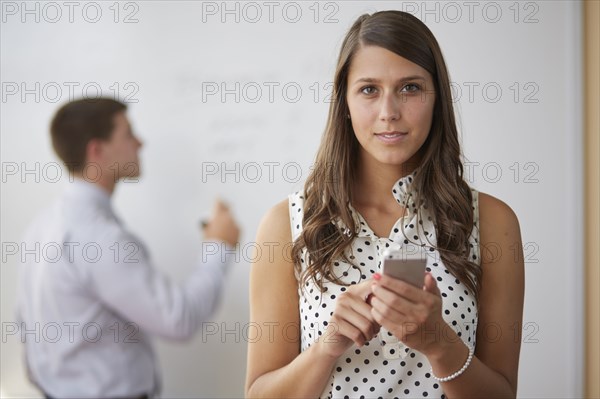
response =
{"points": [[385, 367]]}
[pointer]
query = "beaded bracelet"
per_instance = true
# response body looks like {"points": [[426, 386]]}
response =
{"points": [[459, 372]]}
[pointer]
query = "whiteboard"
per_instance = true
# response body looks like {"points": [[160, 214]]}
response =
{"points": [[230, 99]]}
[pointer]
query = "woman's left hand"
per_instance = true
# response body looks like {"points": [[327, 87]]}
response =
{"points": [[413, 315]]}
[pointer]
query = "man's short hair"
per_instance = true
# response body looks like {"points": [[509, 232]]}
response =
{"points": [[78, 122]]}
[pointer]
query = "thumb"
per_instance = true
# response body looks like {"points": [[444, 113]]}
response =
{"points": [[431, 285], [220, 206]]}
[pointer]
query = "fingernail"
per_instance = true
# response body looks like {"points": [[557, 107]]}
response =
{"points": [[377, 276]]}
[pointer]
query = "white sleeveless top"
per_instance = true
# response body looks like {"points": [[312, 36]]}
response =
{"points": [[385, 367]]}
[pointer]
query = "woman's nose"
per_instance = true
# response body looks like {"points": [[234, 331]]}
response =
{"points": [[390, 110]]}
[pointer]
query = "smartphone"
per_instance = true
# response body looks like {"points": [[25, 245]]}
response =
{"points": [[404, 267]]}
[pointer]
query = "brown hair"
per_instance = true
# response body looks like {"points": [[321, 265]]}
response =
{"points": [[439, 184], [78, 122]]}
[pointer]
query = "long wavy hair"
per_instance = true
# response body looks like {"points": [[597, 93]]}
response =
{"points": [[438, 185]]}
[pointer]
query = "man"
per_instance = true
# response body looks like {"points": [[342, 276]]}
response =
{"points": [[99, 301]]}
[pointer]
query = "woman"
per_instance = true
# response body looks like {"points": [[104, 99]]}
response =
{"points": [[388, 175]]}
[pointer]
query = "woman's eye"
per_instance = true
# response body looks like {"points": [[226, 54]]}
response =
{"points": [[411, 88], [367, 90]]}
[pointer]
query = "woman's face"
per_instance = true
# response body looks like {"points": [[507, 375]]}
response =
{"points": [[391, 104]]}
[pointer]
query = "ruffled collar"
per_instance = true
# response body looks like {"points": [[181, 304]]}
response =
{"points": [[403, 189]]}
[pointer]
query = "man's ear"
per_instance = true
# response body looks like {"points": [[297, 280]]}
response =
{"points": [[94, 151]]}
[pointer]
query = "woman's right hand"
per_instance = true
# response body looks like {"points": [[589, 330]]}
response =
{"points": [[351, 322]]}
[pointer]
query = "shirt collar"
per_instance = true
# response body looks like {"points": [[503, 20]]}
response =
{"points": [[89, 194]]}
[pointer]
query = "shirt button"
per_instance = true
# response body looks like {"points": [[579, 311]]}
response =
{"points": [[403, 350]]}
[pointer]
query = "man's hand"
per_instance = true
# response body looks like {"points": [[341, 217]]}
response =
{"points": [[221, 225]]}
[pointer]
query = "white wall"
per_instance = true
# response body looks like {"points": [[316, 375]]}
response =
{"points": [[177, 50]]}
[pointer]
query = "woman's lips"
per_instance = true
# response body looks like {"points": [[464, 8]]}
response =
{"points": [[391, 137]]}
